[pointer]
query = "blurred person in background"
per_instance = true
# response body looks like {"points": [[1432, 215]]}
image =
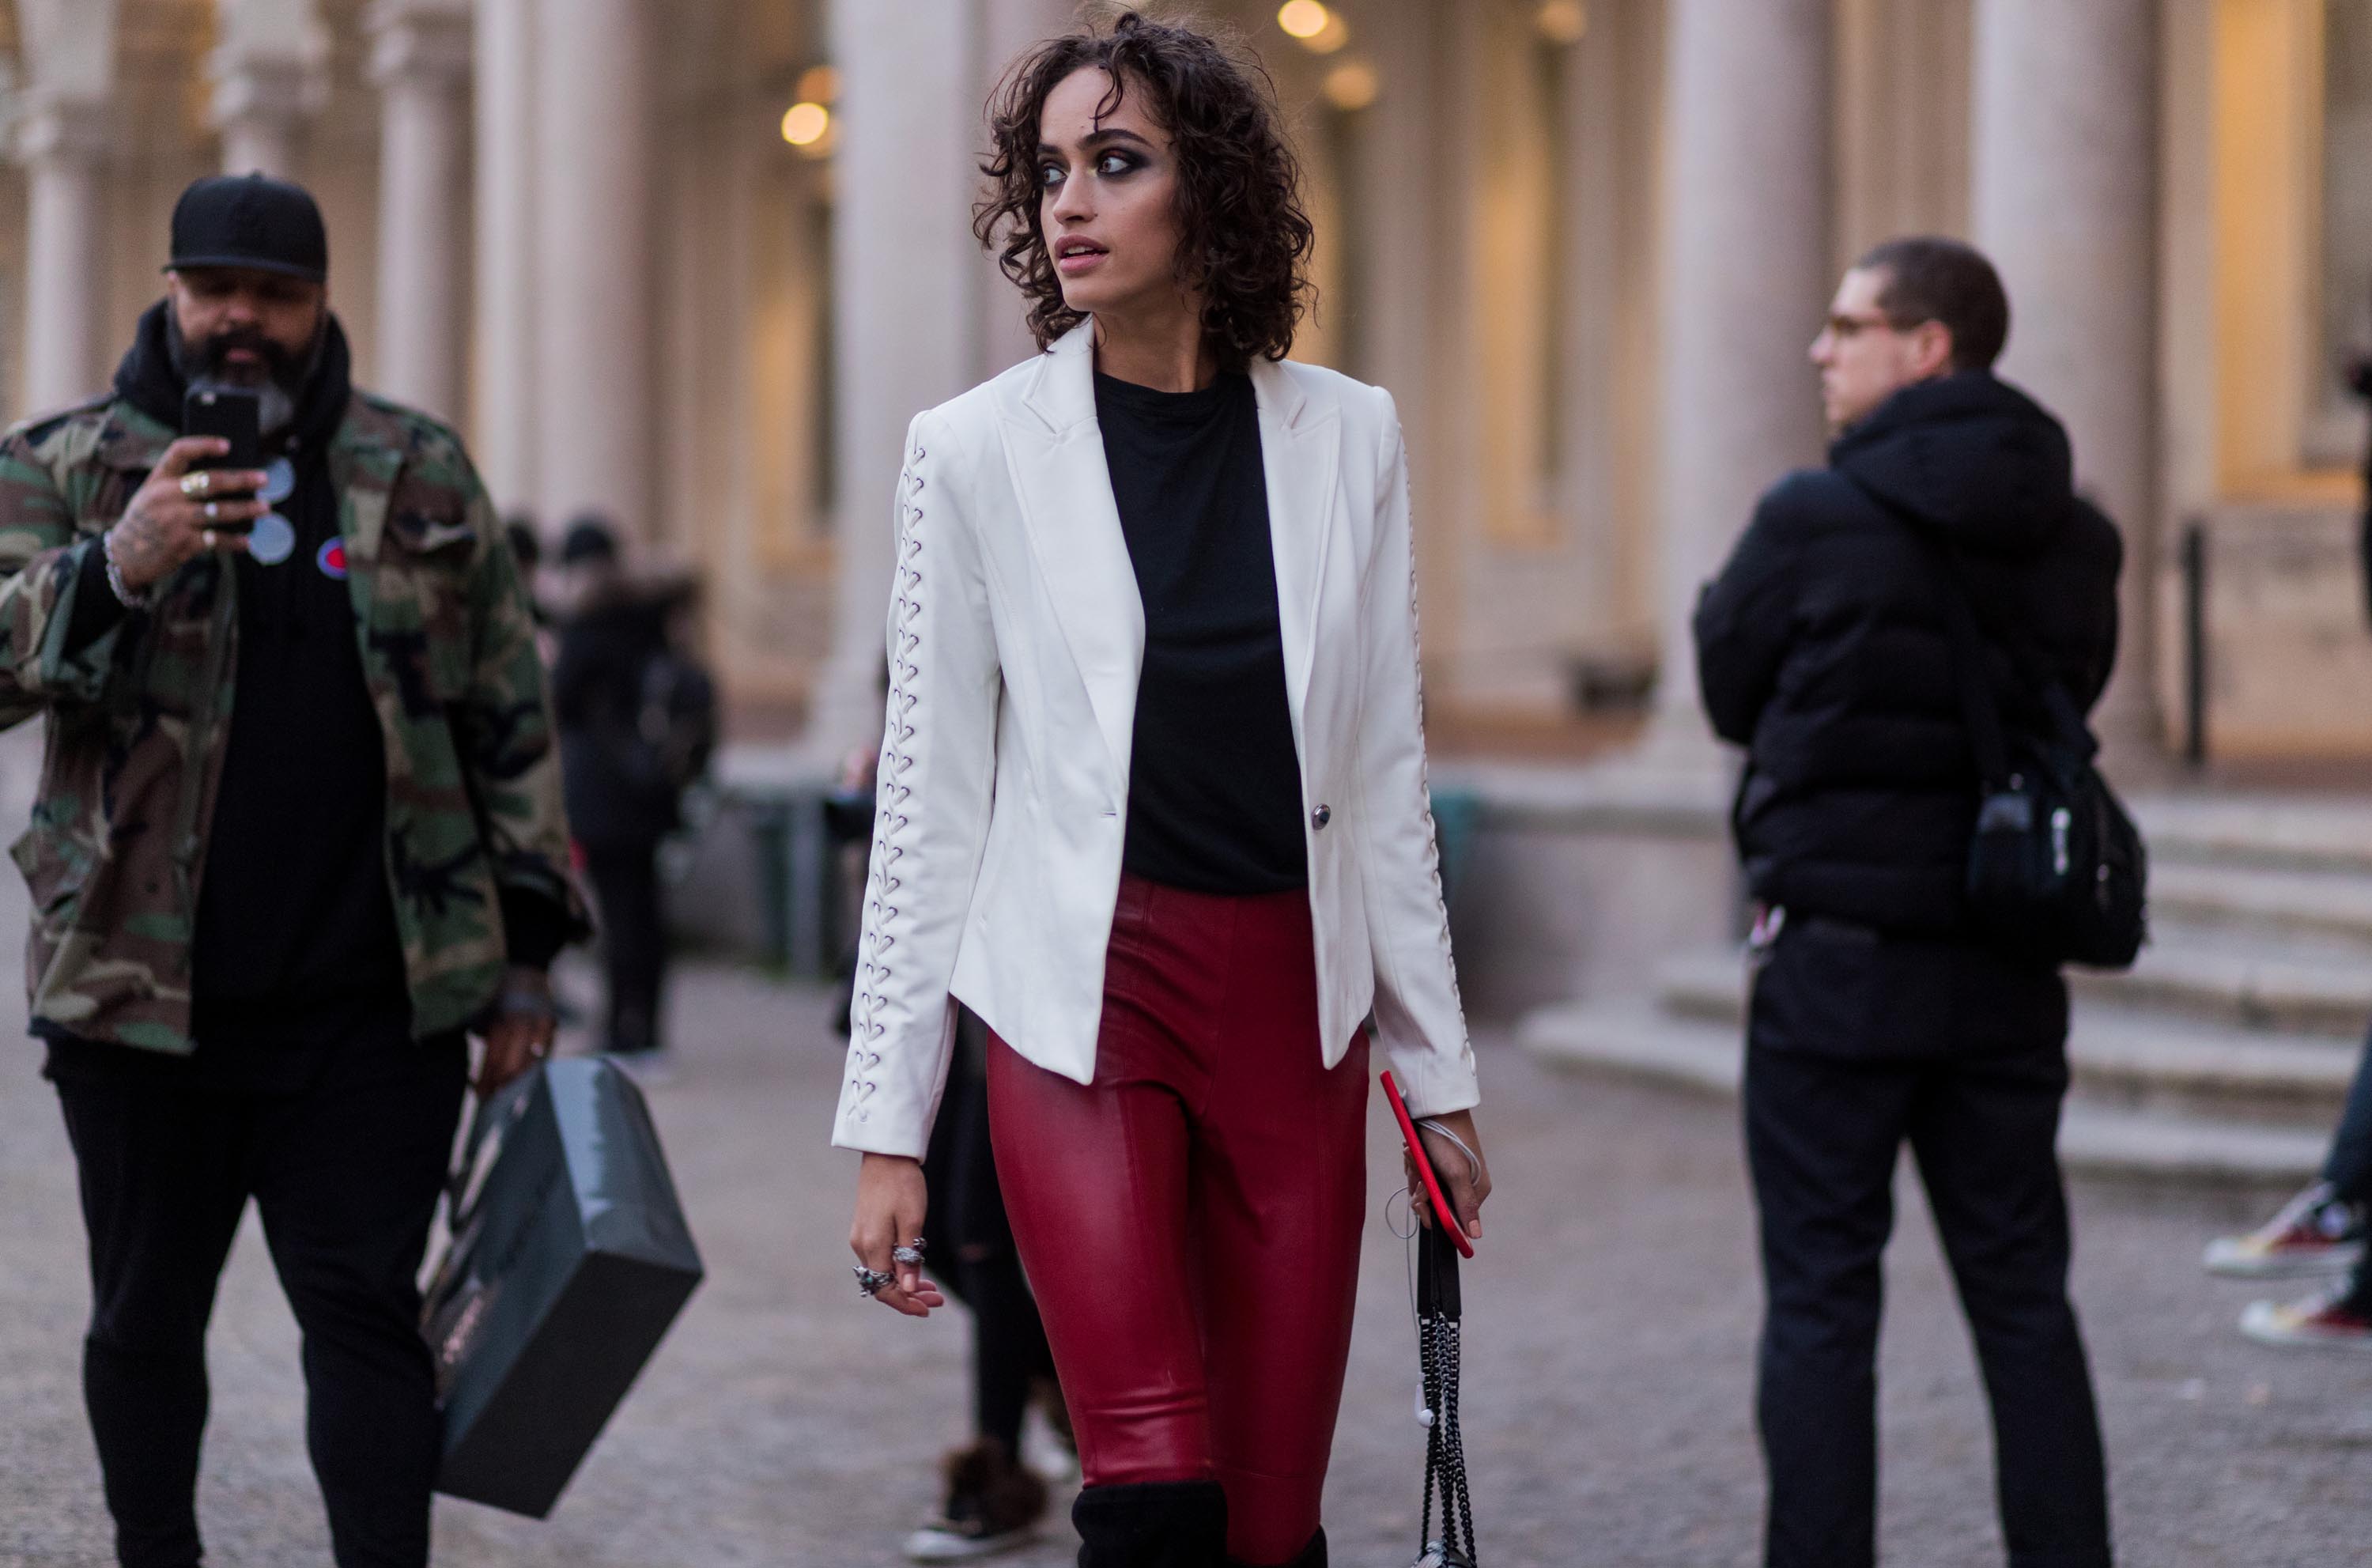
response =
{"points": [[2321, 1230], [1879, 1015], [300, 833], [992, 1501], [637, 724]]}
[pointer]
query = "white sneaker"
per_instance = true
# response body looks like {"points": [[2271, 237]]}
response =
{"points": [[2314, 1232], [2322, 1320], [948, 1543]]}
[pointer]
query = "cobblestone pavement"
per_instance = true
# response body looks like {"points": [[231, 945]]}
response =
{"points": [[1611, 1319]]}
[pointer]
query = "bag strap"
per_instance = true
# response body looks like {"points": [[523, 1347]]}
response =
{"points": [[1979, 702]]}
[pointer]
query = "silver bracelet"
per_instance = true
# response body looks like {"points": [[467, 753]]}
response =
{"points": [[1473, 1161], [115, 582]]}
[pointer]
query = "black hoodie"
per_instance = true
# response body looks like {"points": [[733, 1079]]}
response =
{"points": [[1822, 647]]}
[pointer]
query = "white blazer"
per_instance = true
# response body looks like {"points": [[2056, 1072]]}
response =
{"points": [[1016, 638]]}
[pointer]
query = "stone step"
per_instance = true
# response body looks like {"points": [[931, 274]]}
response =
{"points": [[1638, 1040], [2295, 988], [2291, 985], [2148, 1059], [2268, 832], [2187, 897]]}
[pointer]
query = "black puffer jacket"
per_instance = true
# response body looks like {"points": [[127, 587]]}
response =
{"points": [[1822, 647]]}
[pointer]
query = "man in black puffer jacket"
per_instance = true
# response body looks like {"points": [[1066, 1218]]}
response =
{"points": [[1878, 1016]]}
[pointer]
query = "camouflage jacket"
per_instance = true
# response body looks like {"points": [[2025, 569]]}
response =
{"points": [[138, 719]]}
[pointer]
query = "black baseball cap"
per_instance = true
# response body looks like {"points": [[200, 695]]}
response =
{"points": [[251, 220]]}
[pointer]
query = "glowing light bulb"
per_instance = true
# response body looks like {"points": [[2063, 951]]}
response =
{"points": [[819, 83], [1303, 19], [1353, 86], [807, 124], [1562, 21]]}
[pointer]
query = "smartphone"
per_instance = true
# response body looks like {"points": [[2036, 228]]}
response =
{"points": [[234, 415], [1445, 1217]]}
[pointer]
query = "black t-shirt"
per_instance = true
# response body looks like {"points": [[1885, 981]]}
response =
{"points": [[1215, 785]]}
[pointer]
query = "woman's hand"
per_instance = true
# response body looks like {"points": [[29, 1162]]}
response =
{"points": [[890, 1200], [1466, 1183]]}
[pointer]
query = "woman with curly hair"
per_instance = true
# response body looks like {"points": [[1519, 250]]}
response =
{"points": [[1153, 805]]}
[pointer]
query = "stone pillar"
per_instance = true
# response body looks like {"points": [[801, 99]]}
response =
{"points": [[908, 293], [271, 75], [1747, 275], [420, 60], [1008, 30], [505, 231], [2065, 202], [594, 272], [63, 144]]}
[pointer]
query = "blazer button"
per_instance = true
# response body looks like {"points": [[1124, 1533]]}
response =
{"points": [[1319, 817]]}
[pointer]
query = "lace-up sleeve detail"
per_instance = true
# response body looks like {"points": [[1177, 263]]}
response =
{"points": [[931, 800], [1420, 1015]]}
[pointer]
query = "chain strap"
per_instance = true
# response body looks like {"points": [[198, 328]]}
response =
{"points": [[1438, 1358]]}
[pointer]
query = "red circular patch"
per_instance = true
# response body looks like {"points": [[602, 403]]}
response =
{"points": [[333, 558]]}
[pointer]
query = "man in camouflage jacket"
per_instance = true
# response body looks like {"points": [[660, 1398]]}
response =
{"points": [[299, 827]]}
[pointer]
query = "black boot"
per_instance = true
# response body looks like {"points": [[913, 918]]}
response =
{"points": [[1159, 1524], [1312, 1556]]}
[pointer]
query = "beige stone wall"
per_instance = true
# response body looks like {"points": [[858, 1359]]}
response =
{"points": [[1494, 223]]}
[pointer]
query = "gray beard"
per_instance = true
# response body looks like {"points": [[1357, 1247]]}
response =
{"points": [[275, 403]]}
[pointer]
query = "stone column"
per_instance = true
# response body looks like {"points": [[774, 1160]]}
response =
{"points": [[908, 295], [63, 144], [271, 75], [1746, 274], [1008, 29], [504, 232], [420, 60], [594, 273], [2065, 202]]}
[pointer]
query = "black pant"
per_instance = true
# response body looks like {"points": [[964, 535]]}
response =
{"points": [[2348, 1166], [973, 1248], [345, 1167], [634, 940], [1838, 1076]]}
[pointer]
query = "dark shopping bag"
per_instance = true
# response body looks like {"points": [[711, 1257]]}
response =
{"points": [[568, 1260]]}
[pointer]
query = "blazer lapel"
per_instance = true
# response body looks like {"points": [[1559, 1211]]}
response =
{"points": [[1056, 454], [1300, 445]]}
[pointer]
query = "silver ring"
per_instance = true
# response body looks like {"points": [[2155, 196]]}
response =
{"points": [[196, 484], [909, 1255], [869, 1281], [212, 510]]}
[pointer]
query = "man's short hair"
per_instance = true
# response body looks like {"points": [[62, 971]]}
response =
{"points": [[1933, 279]]}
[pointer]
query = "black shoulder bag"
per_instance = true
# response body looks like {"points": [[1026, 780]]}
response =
{"points": [[2056, 867]]}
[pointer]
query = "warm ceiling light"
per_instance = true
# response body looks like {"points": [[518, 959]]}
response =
{"points": [[807, 124], [1353, 86], [1304, 19], [819, 83], [1331, 37], [1562, 21]]}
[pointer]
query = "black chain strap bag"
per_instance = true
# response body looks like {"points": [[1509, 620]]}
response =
{"points": [[1438, 1317], [2056, 866]]}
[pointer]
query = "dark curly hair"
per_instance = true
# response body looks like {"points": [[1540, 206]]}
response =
{"points": [[1245, 241]]}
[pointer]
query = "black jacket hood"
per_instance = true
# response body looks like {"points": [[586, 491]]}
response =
{"points": [[1969, 455]]}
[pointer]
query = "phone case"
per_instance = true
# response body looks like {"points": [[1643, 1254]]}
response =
{"points": [[1442, 1212]]}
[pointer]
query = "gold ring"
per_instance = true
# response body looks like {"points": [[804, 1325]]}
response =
{"points": [[197, 484]]}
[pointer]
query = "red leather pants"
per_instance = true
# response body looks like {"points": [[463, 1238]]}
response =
{"points": [[1190, 1220]]}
